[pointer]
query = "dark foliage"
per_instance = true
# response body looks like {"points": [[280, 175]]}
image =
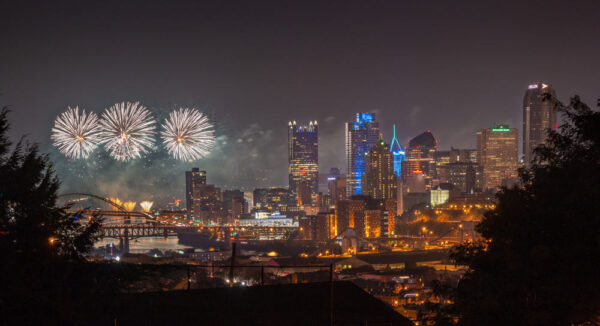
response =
{"points": [[42, 245], [538, 262]]}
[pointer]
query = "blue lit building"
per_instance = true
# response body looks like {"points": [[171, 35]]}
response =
{"points": [[398, 153], [361, 135]]}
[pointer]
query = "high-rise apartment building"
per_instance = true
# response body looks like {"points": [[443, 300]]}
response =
{"points": [[379, 179], [420, 158], [361, 135], [498, 154], [539, 116], [303, 155]]}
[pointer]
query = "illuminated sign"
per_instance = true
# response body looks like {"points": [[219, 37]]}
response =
{"points": [[533, 86], [500, 129], [364, 117]]}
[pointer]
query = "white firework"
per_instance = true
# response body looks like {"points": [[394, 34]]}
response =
{"points": [[188, 135], [76, 134], [127, 130]]}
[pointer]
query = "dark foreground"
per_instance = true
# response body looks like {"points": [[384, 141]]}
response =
{"points": [[290, 304]]}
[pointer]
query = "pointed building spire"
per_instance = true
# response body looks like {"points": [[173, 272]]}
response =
{"points": [[395, 141]]}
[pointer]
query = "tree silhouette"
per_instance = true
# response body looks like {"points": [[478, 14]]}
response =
{"points": [[31, 224], [41, 244], [538, 262]]}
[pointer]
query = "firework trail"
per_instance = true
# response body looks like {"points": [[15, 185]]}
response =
{"points": [[146, 206], [188, 135], [127, 130], [129, 205], [76, 134]]}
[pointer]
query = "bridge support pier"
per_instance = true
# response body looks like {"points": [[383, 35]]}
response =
{"points": [[124, 242]]}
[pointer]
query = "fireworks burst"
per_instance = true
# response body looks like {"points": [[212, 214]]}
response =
{"points": [[129, 205], [188, 135], [116, 201], [76, 134], [127, 130], [146, 206]]}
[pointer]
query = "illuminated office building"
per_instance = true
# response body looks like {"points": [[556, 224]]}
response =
{"points": [[498, 154], [372, 223], [203, 201], [467, 177], [361, 135], [349, 213], [303, 154], [539, 116], [379, 179], [336, 185], [398, 154], [194, 179], [390, 212], [420, 158], [303, 194], [234, 204], [270, 199], [439, 196], [454, 155], [325, 226]]}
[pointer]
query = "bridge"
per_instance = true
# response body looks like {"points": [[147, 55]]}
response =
{"points": [[126, 225], [118, 222], [137, 231]]}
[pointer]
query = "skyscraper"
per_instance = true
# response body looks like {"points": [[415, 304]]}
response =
{"points": [[420, 158], [303, 154], [398, 154], [379, 179], [539, 115], [498, 154], [193, 181], [361, 135], [203, 201], [336, 185]]}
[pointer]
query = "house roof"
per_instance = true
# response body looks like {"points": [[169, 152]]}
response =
{"points": [[290, 304]]}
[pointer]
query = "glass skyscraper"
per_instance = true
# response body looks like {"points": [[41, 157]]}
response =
{"points": [[361, 135], [303, 154], [539, 116]]}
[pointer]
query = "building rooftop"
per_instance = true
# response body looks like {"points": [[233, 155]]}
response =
{"points": [[425, 139]]}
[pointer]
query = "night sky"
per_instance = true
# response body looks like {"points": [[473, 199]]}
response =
{"points": [[448, 66]]}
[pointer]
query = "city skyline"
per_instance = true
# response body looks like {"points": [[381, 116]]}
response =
{"points": [[413, 66], [389, 162]]}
